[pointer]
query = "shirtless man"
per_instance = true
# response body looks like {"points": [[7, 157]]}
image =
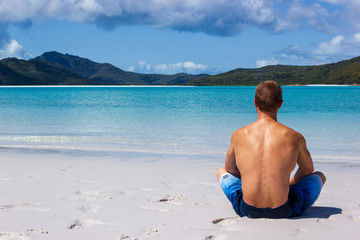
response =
{"points": [[262, 155]]}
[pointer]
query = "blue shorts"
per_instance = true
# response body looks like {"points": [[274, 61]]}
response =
{"points": [[302, 195]]}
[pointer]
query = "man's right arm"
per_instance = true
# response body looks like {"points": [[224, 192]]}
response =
{"points": [[230, 161], [304, 161]]}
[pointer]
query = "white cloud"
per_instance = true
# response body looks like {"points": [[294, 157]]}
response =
{"points": [[216, 17], [211, 16], [334, 46], [14, 49], [296, 55], [172, 68], [143, 66], [132, 69], [298, 14], [348, 13], [338, 48], [266, 62], [357, 38], [161, 68], [351, 14], [39, 10], [193, 66], [187, 67]]}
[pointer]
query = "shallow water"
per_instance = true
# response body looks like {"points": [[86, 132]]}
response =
{"points": [[181, 120]]}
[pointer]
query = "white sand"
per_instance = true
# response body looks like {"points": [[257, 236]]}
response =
{"points": [[62, 196]]}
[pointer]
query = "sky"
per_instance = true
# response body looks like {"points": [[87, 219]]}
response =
{"points": [[192, 36]]}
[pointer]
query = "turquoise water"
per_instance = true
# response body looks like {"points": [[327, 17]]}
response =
{"points": [[184, 120]]}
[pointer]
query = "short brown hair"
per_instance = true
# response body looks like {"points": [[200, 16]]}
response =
{"points": [[268, 96]]}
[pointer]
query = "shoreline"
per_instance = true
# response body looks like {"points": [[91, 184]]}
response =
{"points": [[185, 86], [75, 196]]}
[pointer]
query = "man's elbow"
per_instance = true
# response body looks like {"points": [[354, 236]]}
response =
{"points": [[310, 170]]}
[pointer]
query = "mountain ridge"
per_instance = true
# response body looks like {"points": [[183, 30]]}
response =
{"points": [[53, 68], [343, 72], [106, 73], [15, 71]]}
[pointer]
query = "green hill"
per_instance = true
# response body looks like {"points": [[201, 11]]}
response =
{"points": [[54, 68], [344, 72], [37, 72], [106, 73]]}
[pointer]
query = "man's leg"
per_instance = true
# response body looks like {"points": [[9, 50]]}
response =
{"points": [[231, 186], [305, 192], [322, 176]]}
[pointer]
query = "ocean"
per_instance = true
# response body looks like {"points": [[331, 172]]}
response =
{"points": [[171, 120]]}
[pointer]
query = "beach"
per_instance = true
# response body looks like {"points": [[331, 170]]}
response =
{"points": [[80, 196], [139, 163], [117, 118]]}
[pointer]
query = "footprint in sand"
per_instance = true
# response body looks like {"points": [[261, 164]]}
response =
{"points": [[215, 237], [68, 168], [177, 200], [170, 198], [87, 195], [43, 231], [14, 235], [86, 223], [123, 237], [225, 221], [353, 215], [64, 170], [211, 237], [5, 179], [82, 198], [90, 208], [301, 230], [26, 207], [227, 224], [95, 192], [152, 232]]}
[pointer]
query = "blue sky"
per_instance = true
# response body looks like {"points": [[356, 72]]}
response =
{"points": [[193, 36]]}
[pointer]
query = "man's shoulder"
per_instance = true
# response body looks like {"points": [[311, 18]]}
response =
{"points": [[291, 132], [280, 128], [244, 132], [244, 129], [239, 133]]}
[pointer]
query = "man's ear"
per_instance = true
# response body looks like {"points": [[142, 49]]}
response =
{"points": [[281, 104], [255, 103]]}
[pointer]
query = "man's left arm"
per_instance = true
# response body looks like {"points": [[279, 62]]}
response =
{"points": [[304, 161]]}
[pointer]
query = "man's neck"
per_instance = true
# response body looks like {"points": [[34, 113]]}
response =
{"points": [[266, 115]]}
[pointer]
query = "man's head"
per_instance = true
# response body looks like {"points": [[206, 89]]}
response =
{"points": [[268, 96]]}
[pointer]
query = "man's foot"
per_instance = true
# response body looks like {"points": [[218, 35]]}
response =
{"points": [[220, 172]]}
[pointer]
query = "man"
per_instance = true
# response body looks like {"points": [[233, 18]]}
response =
{"points": [[259, 162]]}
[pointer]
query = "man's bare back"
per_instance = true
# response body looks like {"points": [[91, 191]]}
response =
{"points": [[260, 159], [265, 152]]}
